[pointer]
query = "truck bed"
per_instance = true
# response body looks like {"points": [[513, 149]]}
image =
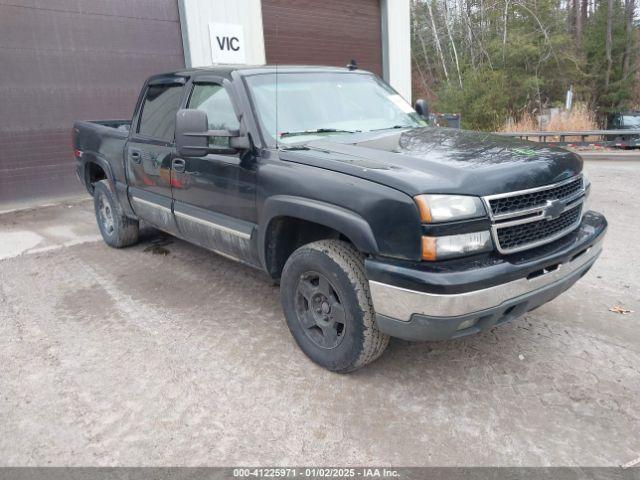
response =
{"points": [[114, 128], [103, 142]]}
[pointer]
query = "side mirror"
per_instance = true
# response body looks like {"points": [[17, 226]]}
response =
{"points": [[422, 108], [191, 125], [192, 135]]}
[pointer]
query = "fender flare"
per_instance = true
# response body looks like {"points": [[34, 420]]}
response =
{"points": [[348, 223], [90, 157], [118, 188]]}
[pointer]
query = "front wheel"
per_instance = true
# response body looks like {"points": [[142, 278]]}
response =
{"points": [[326, 301]]}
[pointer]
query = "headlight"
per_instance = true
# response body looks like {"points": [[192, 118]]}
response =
{"points": [[441, 248], [445, 208]]}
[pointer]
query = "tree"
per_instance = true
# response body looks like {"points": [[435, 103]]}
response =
{"points": [[609, 85], [491, 60]]}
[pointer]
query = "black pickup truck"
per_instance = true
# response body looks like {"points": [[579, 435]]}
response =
{"points": [[374, 223]]}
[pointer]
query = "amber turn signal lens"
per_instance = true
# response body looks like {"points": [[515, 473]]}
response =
{"points": [[450, 246], [423, 207], [429, 248]]}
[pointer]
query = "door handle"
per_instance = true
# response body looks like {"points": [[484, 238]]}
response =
{"points": [[178, 165], [136, 156]]}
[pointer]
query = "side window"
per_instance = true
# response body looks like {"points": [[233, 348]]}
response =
{"points": [[158, 118], [215, 102]]}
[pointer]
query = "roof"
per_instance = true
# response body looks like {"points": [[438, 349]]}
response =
{"points": [[225, 71]]}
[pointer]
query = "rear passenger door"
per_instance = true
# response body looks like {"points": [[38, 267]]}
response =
{"points": [[151, 150]]}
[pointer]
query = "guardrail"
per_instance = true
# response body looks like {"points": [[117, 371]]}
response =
{"points": [[602, 138]]}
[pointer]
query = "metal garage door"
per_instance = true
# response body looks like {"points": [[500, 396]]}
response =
{"points": [[63, 60], [327, 32]]}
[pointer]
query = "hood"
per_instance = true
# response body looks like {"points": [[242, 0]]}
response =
{"points": [[440, 160]]}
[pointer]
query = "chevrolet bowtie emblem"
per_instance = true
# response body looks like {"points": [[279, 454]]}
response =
{"points": [[553, 209]]}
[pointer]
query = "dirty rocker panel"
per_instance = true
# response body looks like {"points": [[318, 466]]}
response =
{"points": [[225, 235], [220, 233], [153, 208], [185, 217], [142, 204]]}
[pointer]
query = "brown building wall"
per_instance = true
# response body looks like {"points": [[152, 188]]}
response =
{"points": [[327, 32], [64, 60], [67, 60]]}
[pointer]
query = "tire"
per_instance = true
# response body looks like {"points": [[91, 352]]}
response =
{"points": [[117, 230], [326, 301]]}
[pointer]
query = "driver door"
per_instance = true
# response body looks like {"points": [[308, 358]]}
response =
{"points": [[214, 195]]}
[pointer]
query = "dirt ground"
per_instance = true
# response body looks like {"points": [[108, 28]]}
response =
{"points": [[166, 354]]}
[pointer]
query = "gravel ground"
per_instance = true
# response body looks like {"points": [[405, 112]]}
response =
{"points": [[166, 354]]}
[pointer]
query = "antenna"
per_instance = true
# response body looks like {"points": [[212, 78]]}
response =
{"points": [[277, 131], [352, 65]]}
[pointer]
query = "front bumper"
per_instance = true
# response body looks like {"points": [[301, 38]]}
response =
{"points": [[453, 301]]}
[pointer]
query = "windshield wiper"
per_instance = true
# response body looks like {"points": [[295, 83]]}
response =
{"points": [[391, 128], [318, 130]]}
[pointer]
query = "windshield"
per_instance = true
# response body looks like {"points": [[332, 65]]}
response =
{"points": [[315, 105], [631, 121]]}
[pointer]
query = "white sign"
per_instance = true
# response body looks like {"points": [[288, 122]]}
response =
{"points": [[227, 43]]}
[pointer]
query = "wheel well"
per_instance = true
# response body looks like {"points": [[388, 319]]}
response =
{"points": [[286, 234], [93, 173]]}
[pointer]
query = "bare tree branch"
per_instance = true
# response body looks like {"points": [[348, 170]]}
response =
{"points": [[437, 40]]}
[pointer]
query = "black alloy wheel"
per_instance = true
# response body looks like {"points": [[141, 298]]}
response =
{"points": [[319, 310]]}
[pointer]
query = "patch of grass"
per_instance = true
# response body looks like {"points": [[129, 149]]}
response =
{"points": [[579, 118]]}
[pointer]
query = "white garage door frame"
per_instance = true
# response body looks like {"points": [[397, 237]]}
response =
{"points": [[196, 15]]}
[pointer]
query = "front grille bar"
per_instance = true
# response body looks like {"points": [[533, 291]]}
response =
{"points": [[541, 241], [534, 214], [495, 217]]}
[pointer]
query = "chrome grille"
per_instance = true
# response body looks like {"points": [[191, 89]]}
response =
{"points": [[530, 218], [535, 199], [526, 233]]}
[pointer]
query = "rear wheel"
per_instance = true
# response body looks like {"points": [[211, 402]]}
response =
{"points": [[117, 230], [326, 301]]}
